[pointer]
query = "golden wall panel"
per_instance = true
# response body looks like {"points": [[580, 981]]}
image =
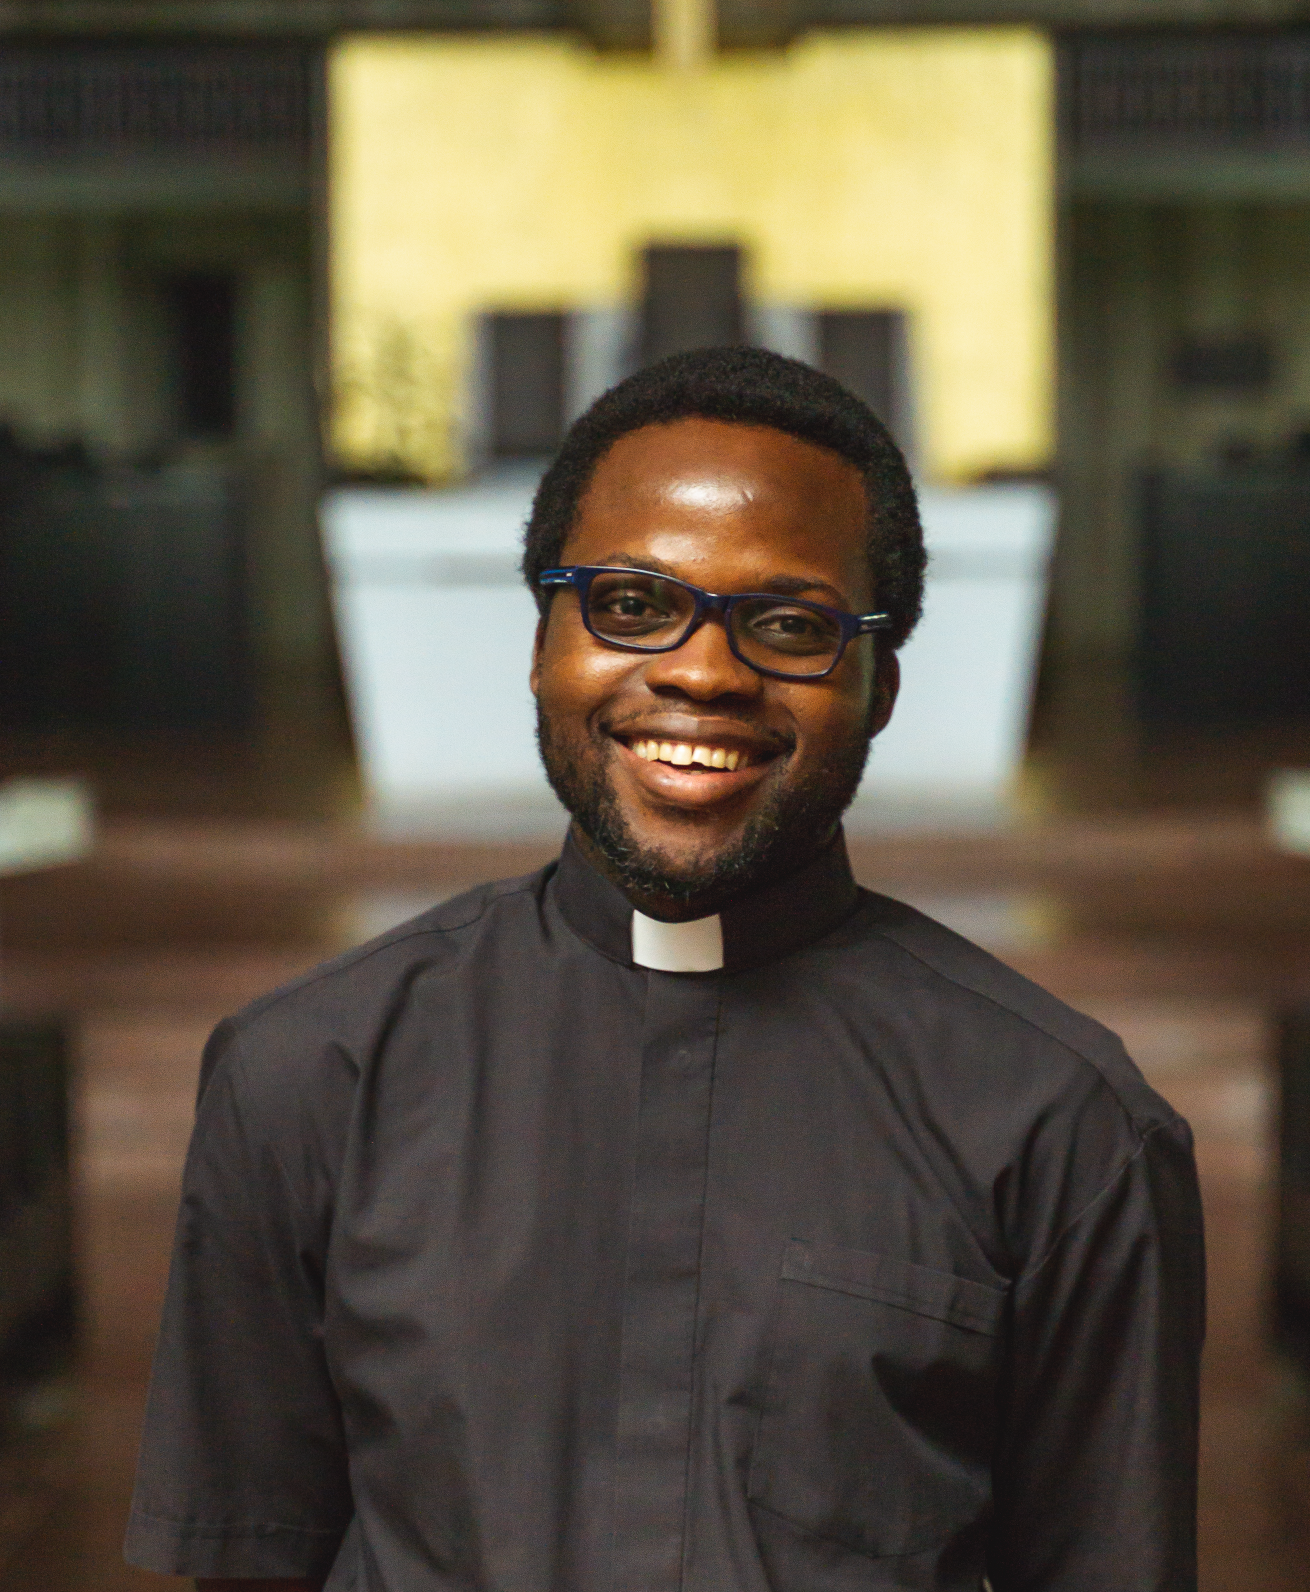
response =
{"points": [[895, 168]]}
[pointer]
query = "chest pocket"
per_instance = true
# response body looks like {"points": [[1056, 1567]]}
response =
{"points": [[878, 1414]]}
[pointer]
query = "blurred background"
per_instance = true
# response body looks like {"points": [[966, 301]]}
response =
{"points": [[296, 299]]}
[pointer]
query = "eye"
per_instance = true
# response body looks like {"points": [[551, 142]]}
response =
{"points": [[628, 605], [784, 627], [790, 622], [630, 608]]}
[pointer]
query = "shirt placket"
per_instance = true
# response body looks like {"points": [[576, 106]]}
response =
{"points": [[662, 1281]]}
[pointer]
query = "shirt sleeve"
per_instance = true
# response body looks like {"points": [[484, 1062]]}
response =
{"points": [[1095, 1476], [242, 1470]]}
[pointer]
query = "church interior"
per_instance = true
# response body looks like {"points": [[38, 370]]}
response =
{"points": [[292, 315]]}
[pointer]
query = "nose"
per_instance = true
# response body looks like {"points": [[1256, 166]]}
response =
{"points": [[703, 667]]}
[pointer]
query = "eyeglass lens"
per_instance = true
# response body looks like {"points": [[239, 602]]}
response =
{"points": [[777, 633]]}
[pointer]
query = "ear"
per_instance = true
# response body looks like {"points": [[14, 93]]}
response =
{"points": [[886, 688], [538, 642]]}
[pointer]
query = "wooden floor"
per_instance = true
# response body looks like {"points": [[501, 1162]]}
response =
{"points": [[1185, 933]]}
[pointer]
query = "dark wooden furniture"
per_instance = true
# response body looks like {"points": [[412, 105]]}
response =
{"points": [[691, 299], [526, 356], [36, 1244], [1292, 1244], [1225, 572], [124, 602]]}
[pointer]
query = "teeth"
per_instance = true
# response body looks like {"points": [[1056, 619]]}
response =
{"points": [[682, 755]]}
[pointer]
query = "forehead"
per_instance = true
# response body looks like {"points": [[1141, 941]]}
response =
{"points": [[721, 491]]}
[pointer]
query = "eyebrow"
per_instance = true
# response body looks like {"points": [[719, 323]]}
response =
{"points": [[774, 585]]}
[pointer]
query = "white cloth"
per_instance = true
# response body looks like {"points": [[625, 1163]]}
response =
{"points": [[695, 947]]}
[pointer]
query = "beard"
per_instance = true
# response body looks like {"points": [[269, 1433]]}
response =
{"points": [[795, 820]]}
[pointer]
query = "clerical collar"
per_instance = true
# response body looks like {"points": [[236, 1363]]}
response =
{"points": [[694, 947], [755, 928]]}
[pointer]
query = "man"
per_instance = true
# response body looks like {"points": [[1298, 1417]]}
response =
{"points": [[682, 1216]]}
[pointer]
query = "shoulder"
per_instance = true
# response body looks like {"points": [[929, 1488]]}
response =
{"points": [[1036, 1108], [318, 1030], [371, 972], [975, 994]]}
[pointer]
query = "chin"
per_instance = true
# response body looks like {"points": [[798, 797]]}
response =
{"points": [[681, 857]]}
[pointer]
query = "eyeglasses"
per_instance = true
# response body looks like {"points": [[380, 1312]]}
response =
{"points": [[786, 637]]}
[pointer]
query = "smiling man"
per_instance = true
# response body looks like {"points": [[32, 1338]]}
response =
{"points": [[682, 1216]]}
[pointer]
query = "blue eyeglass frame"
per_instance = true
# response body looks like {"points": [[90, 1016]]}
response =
{"points": [[580, 577]]}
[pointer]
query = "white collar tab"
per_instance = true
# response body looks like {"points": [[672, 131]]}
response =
{"points": [[695, 947]]}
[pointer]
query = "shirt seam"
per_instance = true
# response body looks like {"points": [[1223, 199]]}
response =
{"points": [[840, 1542], [239, 1059], [364, 953], [1024, 1278], [696, 1369], [899, 1299], [205, 1529], [1140, 1125], [624, 1332]]}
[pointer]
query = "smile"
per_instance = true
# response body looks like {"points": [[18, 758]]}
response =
{"points": [[684, 754]]}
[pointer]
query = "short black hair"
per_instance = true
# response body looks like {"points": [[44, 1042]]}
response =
{"points": [[750, 387]]}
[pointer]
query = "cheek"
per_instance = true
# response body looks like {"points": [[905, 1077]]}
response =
{"points": [[829, 717], [575, 677]]}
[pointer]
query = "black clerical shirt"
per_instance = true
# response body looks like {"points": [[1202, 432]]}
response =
{"points": [[504, 1263]]}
